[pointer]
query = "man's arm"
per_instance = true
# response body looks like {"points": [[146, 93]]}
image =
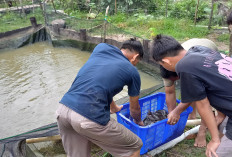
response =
{"points": [[174, 112], [170, 97], [115, 108], [174, 116], [205, 111], [135, 111]]}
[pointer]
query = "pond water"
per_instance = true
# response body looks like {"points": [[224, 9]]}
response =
{"points": [[32, 81]]}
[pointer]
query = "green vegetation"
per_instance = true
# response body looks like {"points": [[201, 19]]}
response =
{"points": [[185, 148], [11, 21], [224, 38], [187, 145], [148, 28], [56, 148], [141, 18]]}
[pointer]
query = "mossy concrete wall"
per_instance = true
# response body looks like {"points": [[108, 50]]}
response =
{"points": [[71, 37], [21, 37]]}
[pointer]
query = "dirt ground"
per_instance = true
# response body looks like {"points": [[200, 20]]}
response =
{"points": [[221, 45]]}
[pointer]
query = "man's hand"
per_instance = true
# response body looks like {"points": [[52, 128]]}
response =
{"points": [[211, 148], [135, 111], [173, 117], [206, 113], [114, 108], [140, 123]]}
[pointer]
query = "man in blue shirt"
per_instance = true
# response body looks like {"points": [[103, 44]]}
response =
{"points": [[84, 112]]}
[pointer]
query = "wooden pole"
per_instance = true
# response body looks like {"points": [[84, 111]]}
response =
{"points": [[44, 12], [166, 8], [6, 5], [43, 139], [54, 5], [211, 15], [230, 48], [195, 19], [105, 22], [21, 4], [115, 7], [16, 4]]}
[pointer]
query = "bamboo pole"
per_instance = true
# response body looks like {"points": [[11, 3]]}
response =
{"points": [[105, 21], [22, 9], [57, 137], [115, 12], [166, 12], [230, 31], [44, 12], [33, 10], [54, 5], [43, 139], [196, 11], [211, 15]]}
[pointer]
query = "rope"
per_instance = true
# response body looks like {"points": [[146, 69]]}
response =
{"points": [[29, 132]]}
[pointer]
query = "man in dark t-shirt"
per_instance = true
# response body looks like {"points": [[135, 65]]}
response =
{"points": [[84, 112], [206, 79]]}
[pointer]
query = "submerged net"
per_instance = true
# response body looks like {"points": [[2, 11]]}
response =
{"points": [[16, 146]]}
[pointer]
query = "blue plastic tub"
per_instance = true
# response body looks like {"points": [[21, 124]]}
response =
{"points": [[158, 133]]}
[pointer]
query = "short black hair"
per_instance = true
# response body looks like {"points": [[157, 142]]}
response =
{"points": [[229, 19], [164, 46], [166, 73], [132, 44]]}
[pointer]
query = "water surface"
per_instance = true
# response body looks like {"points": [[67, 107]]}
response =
{"points": [[32, 81]]}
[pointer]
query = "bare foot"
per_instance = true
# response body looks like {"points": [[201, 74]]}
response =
{"points": [[191, 136], [115, 109], [219, 118], [192, 116], [200, 140]]}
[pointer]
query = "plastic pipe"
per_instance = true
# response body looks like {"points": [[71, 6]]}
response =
{"points": [[193, 122], [174, 142]]}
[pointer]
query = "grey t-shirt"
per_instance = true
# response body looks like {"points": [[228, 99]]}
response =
{"points": [[207, 73]]}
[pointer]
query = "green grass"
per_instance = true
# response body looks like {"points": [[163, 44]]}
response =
{"points": [[148, 26], [11, 21], [185, 149], [224, 38], [140, 25], [56, 148]]}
